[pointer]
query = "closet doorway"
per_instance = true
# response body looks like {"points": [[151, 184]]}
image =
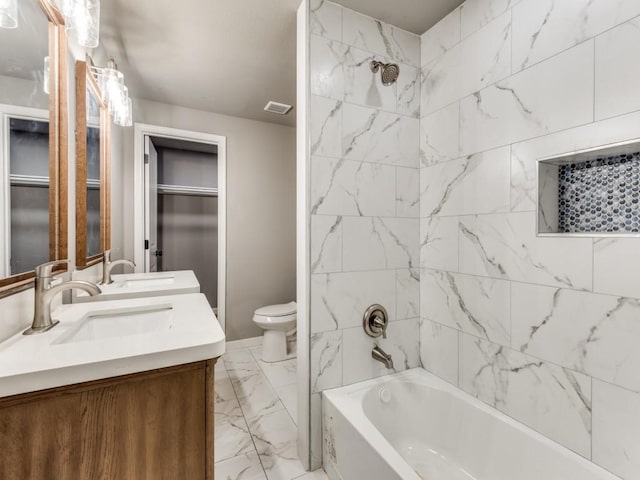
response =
{"points": [[180, 196]]}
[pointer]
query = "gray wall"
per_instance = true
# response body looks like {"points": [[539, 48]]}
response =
{"points": [[260, 206]]}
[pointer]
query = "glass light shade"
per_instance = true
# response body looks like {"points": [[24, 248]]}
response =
{"points": [[116, 92], [85, 23], [46, 78], [117, 103], [111, 83], [124, 117], [67, 7], [8, 13]]}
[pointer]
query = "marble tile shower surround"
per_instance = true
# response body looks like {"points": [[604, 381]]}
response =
{"points": [[364, 198], [423, 197], [543, 329]]}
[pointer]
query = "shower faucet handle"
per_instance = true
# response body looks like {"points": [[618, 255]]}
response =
{"points": [[375, 321]]}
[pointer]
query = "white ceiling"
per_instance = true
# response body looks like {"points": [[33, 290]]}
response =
{"points": [[416, 16], [226, 56]]}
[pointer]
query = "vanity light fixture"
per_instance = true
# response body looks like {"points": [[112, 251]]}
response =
{"points": [[9, 13], [82, 17], [45, 78], [114, 93]]}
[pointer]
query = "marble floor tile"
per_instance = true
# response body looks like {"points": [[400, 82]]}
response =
{"points": [[232, 437], [255, 411], [240, 364], [220, 369], [243, 467], [224, 390], [280, 374], [256, 396], [289, 397], [275, 438]]}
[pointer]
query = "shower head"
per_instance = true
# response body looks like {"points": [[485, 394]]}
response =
{"points": [[389, 72]]}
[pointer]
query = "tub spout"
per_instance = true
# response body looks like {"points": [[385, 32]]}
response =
{"points": [[378, 354]]}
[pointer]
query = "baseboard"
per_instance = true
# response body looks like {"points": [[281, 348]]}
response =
{"points": [[244, 343]]}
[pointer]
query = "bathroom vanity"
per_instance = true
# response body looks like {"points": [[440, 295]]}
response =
{"points": [[117, 390], [156, 424]]}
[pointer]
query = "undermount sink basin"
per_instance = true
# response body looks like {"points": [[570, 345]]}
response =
{"points": [[146, 282], [120, 323], [140, 285], [108, 339]]}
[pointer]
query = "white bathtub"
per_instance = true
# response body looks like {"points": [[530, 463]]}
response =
{"points": [[413, 425]]}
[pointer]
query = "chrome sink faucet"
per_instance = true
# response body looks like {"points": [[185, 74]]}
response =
{"points": [[380, 355], [44, 294], [107, 266]]}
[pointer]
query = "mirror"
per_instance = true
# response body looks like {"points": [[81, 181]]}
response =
{"points": [[92, 169], [33, 144]]}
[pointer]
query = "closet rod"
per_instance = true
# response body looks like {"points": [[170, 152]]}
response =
{"points": [[164, 189], [41, 181], [28, 180]]}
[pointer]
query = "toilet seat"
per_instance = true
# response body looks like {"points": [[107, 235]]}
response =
{"points": [[279, 310]]}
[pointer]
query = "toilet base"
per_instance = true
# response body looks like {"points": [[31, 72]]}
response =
{"points": [[274, 346]]}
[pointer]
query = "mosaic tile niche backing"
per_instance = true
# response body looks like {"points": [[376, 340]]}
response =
{"points": [[600, 195]]}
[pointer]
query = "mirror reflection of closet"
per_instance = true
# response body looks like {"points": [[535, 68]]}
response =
{"points": [[92, 186], [93, 174], [30, 148]]}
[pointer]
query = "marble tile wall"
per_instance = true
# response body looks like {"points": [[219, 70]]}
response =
{"points": [[364, 198], [544, 329]]}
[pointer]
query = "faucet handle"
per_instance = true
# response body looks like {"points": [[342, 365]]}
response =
{"points": [[46, 269], [375, 321], [380, 324], [106, 256]]}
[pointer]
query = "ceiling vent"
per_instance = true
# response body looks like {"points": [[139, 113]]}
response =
{"points": [[279, 108]]}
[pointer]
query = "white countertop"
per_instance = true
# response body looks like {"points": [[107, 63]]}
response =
{"points": [[37, 362], [135, 285]]}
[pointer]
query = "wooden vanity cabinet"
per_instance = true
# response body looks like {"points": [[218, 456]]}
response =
{"points": [[152, 425]]}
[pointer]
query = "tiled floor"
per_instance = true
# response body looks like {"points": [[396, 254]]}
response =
{"points": [[255, 419]]}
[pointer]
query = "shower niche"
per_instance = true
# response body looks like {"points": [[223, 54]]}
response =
{"points": [[593, 192]]}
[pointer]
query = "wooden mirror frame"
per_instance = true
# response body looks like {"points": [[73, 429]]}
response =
{"points": [[58, 151], [86, 80]]}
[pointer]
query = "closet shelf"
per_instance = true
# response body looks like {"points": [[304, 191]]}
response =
{"points": [[164, 189]]}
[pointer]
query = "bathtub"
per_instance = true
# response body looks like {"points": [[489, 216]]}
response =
{"points": [[413, 425]]}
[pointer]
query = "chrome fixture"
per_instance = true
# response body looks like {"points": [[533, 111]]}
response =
{"points": [[375, 321], [107, 266], [44, 293], [9, 13], [388, 71], [114, 92], [378, 354]]}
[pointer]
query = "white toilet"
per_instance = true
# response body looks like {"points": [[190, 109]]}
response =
{"points": [[276, 321]]}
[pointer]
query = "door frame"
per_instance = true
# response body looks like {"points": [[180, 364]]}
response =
{"points": [[140, 131]]}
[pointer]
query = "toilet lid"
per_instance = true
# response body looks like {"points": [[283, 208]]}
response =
{"points": [[277, 310]]}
